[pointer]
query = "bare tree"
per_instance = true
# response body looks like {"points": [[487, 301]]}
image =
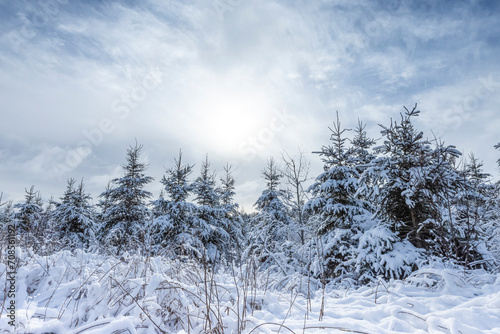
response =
{"points": [[296, 172]]}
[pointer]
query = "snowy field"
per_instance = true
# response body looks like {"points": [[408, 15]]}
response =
{"points": [[82, 293]]}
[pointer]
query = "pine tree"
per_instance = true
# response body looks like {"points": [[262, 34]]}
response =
{"points": [[6, 214], [408, 181], [75, 216], [6, 220], [270, 227], [232, 218], [103, 204], [28, 216], [125, 218], [493, 230], [444, 183], [159, 206], [174, 220], [336, 207], [474, 209], [361, 144], [334, 190], [211, 228]]}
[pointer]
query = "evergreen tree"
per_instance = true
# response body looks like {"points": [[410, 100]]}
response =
{"points": [[360, 151], [474, 209], [336, 207], [125, 218], [232, 218], [6, 214], [75, 216], [493, 230], [28, 215], [6, 220], [408, 181], [334, 190], [269, 230], [174, 215], [103, 204], [159, 206], [211, 228], [444, 184]]}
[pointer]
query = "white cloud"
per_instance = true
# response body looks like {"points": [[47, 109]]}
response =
{"points": [[365, 59]]}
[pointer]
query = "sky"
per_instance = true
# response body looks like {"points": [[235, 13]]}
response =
{"points": [[237, 80]]}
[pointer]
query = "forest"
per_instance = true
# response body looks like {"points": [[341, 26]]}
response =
{"points": [[404, 210]]}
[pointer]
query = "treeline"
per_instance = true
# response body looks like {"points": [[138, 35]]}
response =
{"points": [[375, 211]]}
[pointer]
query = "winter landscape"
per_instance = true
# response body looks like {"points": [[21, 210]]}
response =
{"points": [[229, 167], [395, 238]]}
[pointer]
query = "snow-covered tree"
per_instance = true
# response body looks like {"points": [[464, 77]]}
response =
{"points": [[212, 226], [74, 216], [360, 151], [103, 205], [333, 193], [296, 173], [270, 227], [125, 218], [232, 218], [409, 180], [6, 213], [6, 219], [336, 208], [474, 209], [493, 230], [159, 205], [174, 214], [28, 215], [380, 252]]}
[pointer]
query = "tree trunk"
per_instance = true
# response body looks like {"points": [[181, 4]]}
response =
{"points": [[418, 240]]}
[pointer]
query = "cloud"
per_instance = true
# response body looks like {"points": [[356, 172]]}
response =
{"points": [[91, 77]]}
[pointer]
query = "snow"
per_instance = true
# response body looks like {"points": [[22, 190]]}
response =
{"points": [[86, 293]]}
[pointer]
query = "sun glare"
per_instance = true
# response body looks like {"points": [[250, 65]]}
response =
{"points": [[226, 119]]}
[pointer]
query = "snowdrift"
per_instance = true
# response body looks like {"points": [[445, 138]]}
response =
{"points": [[85, 293]]}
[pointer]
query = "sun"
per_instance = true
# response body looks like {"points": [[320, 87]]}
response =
{"points": [[225, 118]]}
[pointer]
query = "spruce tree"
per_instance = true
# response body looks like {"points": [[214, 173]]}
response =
{"points": [[409, 180], [75, 216], [103, 205], [336, 207], [170, 229], [6, 214], [211, 228], [360, 150], [125, 218], [270, 227], [474, 210], [414, 185], [6, 220], [28, 215], [232, 218]]}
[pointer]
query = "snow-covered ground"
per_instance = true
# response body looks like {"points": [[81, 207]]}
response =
{"points": [[90, 294]]}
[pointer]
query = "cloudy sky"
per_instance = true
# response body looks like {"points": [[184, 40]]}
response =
{"points": [[238, 80]]}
